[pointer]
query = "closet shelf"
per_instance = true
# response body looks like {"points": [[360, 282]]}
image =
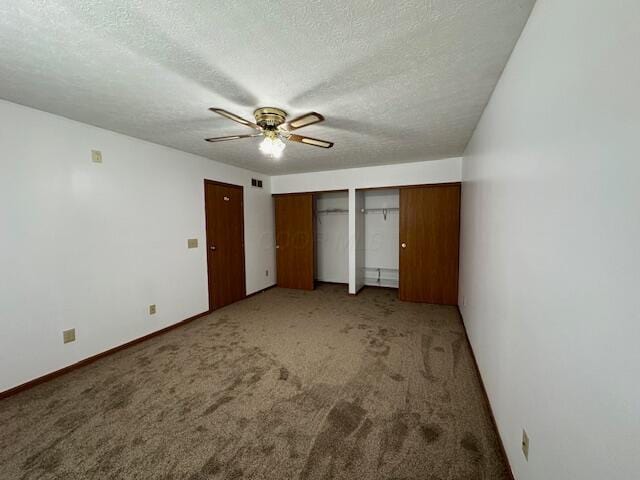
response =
{"points": [[378, 280], [383, 282]]}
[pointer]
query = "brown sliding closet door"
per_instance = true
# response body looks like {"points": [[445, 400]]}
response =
{"points": [[294, 240], [429, 242], [225, 243]]}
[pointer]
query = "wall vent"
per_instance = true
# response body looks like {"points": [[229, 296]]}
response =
{"points": [[256, 183]]}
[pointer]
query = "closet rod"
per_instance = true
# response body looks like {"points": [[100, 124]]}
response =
{"points": [[384, 211], [378, 210]]}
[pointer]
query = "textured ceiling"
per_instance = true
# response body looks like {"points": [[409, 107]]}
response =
{"points": [[397, 81]]}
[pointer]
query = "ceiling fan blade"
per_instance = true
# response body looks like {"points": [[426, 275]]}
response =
{"points": [[231, 137], [234, 117], [306, 119], [310, 141]]}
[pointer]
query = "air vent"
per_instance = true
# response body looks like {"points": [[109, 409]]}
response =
{"points": [[256, 183]]}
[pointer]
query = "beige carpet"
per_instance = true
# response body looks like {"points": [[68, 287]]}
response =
{"points": [[286, 384]]}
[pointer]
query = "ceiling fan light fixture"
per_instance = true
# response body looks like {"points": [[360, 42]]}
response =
{"points": [[272, 146]]}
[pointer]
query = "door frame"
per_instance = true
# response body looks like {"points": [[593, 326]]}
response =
{"points": [[206, 233]]}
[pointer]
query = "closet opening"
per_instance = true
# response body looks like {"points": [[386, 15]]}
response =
{"points": [[332, 237], [379, 242]]}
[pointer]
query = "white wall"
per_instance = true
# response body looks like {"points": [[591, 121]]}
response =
{"points": [[417, 173], [90, 246], [550, 264], [356, 241], [332, 238]]}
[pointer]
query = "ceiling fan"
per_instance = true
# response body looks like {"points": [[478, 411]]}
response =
{"points": [[270, 123]]}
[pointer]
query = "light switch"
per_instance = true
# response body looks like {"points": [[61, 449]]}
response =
{"points": [[96, 156], [69, 336], [192, 243]]}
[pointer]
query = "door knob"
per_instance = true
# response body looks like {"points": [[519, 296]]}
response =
{"points": [[277, 246], [212, 247], [404, 245]]}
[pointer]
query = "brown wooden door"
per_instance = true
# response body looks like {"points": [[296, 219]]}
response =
{"points": [[225, 243], [294, 241], [429, 243]]}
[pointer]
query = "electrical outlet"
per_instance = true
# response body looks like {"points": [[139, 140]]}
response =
{"points": [[525, 444], [266, 273], [69, 336], [152, 309], [464, 301], [192, 243], [96, 156]]}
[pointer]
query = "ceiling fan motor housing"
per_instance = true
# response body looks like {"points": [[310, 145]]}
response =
{"points": [[270, 118]]}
